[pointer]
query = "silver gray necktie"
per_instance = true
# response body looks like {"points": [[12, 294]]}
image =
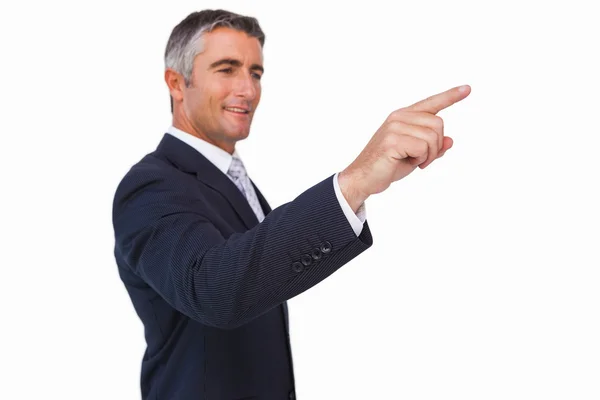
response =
{"points": [[237, 172]]}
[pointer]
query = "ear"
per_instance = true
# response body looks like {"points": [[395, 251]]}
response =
{"points": [[175, 83]]}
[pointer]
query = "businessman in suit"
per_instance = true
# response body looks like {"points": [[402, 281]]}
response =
{"points": [[207, 263]]}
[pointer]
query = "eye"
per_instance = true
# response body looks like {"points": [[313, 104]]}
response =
{"points": [[226, 70], [257, 76]]}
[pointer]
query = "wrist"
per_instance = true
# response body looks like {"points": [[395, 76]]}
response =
{"points": [[354, 195]]}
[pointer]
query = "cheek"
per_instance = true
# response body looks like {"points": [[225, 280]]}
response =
{"points": [[219, 91], [194, 98], [258, 93]]}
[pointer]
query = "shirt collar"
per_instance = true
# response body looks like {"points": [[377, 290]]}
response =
{"points": [[219, 157]]}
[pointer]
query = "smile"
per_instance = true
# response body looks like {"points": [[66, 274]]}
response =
{"points": [[237, 110]]}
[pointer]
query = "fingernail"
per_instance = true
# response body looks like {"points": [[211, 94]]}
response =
{"points": [[463, 88]]}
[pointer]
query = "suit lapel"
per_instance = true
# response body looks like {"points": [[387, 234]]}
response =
{"points": [[231, 193], [190, 160], [263, 202]]}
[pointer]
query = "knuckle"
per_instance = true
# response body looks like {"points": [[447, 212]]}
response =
{"points": [[439, 123], [396, 115], [394, 127], [390, 141]]}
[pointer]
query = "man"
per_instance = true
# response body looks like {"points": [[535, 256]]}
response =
{"points": [[208, 265]]}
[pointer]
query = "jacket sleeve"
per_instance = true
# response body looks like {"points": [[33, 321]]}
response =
{"points": [[165, 235]]}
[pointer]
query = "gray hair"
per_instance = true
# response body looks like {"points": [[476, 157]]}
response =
{"points": [[184, 43]]}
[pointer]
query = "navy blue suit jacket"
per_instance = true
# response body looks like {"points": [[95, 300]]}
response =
{"points": [[210, 283]]}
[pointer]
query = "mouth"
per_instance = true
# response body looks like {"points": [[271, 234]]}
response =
{"points": [[237, 110]]}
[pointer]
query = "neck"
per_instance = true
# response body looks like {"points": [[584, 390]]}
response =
{"points": [[185, 126]]}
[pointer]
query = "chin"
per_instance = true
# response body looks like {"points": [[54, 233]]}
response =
{"points": [[242, 135], [237, 134]]}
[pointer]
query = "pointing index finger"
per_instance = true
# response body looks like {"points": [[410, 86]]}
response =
{"points": [[438, 102]]}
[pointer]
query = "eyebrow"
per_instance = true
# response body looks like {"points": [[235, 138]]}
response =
{"points": [[235, 63]]}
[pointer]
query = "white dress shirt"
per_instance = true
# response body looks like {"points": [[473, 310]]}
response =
{"points": [[222, 160]]}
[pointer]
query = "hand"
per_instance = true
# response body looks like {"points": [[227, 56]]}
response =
{"points": [[410, 137]]}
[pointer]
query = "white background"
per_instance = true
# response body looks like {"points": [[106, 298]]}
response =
{"points": [[483, 279]]}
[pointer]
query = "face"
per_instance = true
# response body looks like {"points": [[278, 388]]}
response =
{"points": [[225, 89]]}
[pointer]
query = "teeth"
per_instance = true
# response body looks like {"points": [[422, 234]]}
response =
{"points": [[235, 109]]}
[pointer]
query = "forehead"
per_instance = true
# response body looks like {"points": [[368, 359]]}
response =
{"points": [[229, 43]]}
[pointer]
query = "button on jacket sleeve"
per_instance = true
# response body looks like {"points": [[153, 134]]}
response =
{"points": [[165, 234]]}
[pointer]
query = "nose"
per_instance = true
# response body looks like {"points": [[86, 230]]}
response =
{"points": [[245, 87]]}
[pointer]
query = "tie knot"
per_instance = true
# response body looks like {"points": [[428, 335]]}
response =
{"points": [[236, 169]]}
